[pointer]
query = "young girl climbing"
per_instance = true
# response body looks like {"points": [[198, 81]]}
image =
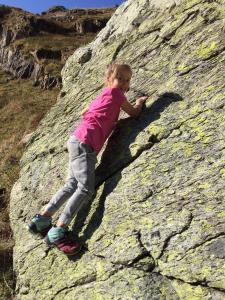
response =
{"points": [[83, 145]]}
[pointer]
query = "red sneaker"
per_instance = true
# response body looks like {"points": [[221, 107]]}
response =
{"points": [[59, 237], [68, 246]]}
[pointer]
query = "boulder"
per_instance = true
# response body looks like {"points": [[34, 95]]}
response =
{"points": [[156, 227]]}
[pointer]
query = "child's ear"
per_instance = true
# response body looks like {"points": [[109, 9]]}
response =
{"points": [[109, 80]]}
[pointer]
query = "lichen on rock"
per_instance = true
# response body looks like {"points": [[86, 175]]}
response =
{"points": [[156, 228]]}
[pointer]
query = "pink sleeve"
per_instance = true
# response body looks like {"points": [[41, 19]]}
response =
{"points": [[118, 95]]}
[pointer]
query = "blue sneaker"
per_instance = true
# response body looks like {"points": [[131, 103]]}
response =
{"points": [[40, 225]]}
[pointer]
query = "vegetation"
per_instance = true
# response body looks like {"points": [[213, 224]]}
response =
{"points": [[4, 10], [53, 41], [66, 43], [21, 108]]}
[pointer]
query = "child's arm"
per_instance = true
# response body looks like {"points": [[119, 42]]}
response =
{"points": [[135, 110]]}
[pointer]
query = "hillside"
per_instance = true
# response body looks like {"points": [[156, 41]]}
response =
{"points": [[32, 46], [39, 45]]}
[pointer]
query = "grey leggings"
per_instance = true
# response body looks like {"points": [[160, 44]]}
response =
{"points": [[80, 185]]}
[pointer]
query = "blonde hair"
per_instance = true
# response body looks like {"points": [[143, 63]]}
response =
{"points": [[115, 69]]}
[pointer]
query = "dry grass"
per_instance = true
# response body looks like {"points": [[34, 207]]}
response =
{"points": [[6, 274], [21, 108], [54, 41]]}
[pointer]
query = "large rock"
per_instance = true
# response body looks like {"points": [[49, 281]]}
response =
{"points": [[155, 229], [13, 61]]}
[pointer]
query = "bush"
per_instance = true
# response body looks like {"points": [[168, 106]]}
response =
{"points": [[56, 9], [4, 9]]}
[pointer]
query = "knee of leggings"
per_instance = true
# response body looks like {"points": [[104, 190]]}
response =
{"points": [[88, 191], [71, 185]]}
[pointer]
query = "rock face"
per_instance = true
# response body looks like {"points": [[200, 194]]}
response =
{"points": [[155, 229]]}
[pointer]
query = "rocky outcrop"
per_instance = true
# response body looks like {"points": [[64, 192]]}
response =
{"points": [[90, 25], [16, 24], [14, 62], [81, 20], [155, 229]]}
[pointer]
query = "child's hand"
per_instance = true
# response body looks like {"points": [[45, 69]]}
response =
{"points": [[141, 100], [84, 110]]}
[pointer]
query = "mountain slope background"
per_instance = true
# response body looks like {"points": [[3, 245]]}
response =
{"points": [[31, 47]]}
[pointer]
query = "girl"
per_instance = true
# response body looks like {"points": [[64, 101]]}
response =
{"points": [[83, 145]]}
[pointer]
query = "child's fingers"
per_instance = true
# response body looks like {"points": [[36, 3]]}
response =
{"points": [[143, 98]]}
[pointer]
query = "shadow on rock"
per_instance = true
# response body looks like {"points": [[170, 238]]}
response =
{"points": [[116, 157]]}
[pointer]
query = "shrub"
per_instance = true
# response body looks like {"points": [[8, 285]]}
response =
{"points": [[4, 9]]}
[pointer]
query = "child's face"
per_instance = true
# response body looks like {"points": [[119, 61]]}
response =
{"points": [[121, 81]]}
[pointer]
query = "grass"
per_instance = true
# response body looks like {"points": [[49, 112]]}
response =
{"points": [[21, 108], [53, 41], [6, 274]]}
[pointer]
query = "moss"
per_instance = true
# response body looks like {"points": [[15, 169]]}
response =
{"points": [[209, 208]]}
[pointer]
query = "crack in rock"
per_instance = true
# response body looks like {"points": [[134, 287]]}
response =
{"points": [[189, 16], [184, 228], [88, 281], [201, 244], [196, 283]]}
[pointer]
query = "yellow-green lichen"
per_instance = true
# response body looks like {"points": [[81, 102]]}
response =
{"points": [[221, 214], [222, 173], [155, 129], [182, 105], [186, 147], [204, 185], [172, 255], [188, 292], [205, 225], [182, 67], [206, 50]]}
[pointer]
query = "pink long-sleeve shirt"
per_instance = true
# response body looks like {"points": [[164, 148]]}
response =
{"points": [[100, 118]]}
